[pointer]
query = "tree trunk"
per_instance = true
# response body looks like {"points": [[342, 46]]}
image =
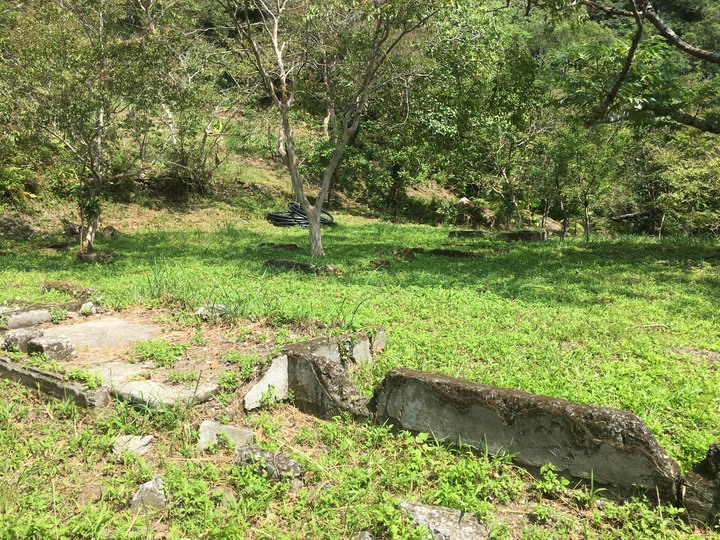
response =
{"points": [[316, 247], [87, 234], [586, 215]]}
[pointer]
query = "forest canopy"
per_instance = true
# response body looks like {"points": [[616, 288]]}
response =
{"points": [[600, 116]]}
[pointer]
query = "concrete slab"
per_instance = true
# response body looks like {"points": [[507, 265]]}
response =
{"points": [[110, 332]]}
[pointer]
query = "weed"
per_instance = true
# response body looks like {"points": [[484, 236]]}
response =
{"points": [[88, 379], [550, 484], [228, 381], [161, 352], [40, 361], [268, 397], [246, 362], [57, 315], [182, 377]]}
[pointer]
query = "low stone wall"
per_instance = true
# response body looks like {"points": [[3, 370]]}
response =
{"points": [[53, 384]]}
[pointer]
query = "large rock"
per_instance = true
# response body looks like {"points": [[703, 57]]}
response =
{"points": [[273, 385], [319, 381], [613, 447], [700, 488], [445, 523]]}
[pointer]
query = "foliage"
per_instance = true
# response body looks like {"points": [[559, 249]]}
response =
{"points": [[89, 379], [161, 352]]}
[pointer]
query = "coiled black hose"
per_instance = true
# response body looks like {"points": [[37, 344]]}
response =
{"points": [[296, 217]]}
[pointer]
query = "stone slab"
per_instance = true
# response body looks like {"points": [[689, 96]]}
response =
{"points": [[445, 523], [209, 431], [155, 394], [108, 332], [53, 384], [126, 382], [613, 446], [276, 377]]}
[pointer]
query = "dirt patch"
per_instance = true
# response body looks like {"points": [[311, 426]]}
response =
{"points": [[709, 356]]}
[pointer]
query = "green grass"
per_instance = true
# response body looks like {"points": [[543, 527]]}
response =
{"points": [[590, 322], [61, 481]]}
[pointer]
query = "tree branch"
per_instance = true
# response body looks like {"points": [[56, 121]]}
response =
{"points": [[620, 79], [665, 30]]}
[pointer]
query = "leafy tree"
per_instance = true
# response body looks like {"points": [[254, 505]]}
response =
{"points": [[334, 50]]}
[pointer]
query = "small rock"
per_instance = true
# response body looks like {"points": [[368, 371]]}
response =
{"points": [[150, 496], [212, 312], [378, 339], [276, 377], [134, 444], [278, 466], [71, 229], [445, 523], [54, 348], [209, 431], [17, 340], [225, 495], [88, 308], [364, 535], [107, 232]]}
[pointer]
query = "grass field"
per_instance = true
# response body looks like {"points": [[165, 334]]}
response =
{"points": [[620, 323]]}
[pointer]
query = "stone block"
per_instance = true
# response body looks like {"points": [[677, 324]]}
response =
{"points": [[275, 378], [524, 235], [17, 340], [54, 348], [209, 431], [614, 447]]}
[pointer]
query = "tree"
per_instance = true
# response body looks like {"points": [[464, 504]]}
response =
{"points": [[335, 50], [697, 109], [83, 75]]}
